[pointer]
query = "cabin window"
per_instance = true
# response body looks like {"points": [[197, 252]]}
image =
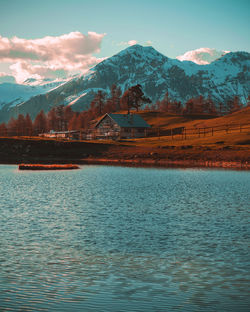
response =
{"points": [[141, 130]]}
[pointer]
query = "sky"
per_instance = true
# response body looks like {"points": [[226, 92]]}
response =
{"points": [[55, 38]]}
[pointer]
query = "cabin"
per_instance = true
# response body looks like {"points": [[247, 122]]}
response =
{"points": [[121, 126]]}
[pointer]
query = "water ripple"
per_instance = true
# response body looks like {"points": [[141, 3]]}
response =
{"points": [[124, 239]]}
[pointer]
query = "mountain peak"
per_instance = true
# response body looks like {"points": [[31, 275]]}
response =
{"points": [[139, 48], [134, 47], [138, 51]]}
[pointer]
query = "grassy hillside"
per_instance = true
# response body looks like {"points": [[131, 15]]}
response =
{"points": [[228, 131]]}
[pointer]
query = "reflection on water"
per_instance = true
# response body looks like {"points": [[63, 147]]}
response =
{"points": [[124, 239]]}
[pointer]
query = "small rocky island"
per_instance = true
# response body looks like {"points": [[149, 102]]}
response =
{"points": [[47, 167]]}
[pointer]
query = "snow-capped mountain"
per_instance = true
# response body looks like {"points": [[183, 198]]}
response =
{"points": [[12, 94], [45, 82], [157, 74]]}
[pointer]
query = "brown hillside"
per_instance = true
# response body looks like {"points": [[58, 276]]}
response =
{"points": [[232, 130], [167, 120]]}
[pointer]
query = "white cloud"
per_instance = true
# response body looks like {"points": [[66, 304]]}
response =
{"points": [[202, 56], [50, 56]]}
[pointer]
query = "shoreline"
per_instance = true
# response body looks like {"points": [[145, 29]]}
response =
{"points": [[35, 151], [153, 163], [169, 163]]}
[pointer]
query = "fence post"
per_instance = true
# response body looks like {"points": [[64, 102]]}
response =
{"points": [[133, 132], [212, 131]]}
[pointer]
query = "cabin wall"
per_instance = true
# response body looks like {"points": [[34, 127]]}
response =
{"points": [[133, 133], [107, 125], [108, 128]]}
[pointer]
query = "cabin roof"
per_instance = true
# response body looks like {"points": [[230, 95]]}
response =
{"points": [[127, 120]]}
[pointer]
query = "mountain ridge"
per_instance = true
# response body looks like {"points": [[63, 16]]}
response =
{"points": [[221, 79]]}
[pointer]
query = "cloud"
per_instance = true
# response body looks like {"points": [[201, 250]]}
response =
{"points": [[23, 70], [51, 55], [126, 43], [132, 42], [202, 56]]}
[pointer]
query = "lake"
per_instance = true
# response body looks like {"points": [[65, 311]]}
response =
{"points": [[108, 238]]}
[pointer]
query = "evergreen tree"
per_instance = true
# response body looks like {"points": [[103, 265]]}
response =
{"points": [[237, 105], [20, 123], [233, 105], [40, 123], [134, 98], [68, 114], [52, 120], [248, 101], [12, 127], [61, 122], [28, 125], [3, 130], [165, 103], [80, 122], [199, 104], [115, 98], [209, 106], [100, 97], [189, 107], [72, 125]]}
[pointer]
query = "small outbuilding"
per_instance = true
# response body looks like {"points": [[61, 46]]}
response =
{"points": [[73, 134], [123, 126]]}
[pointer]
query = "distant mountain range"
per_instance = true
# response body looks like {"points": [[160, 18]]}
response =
{"points": [[222, 79]]}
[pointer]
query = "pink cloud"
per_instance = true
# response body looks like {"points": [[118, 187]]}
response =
{"points": [[132, 42], [202, 56], [23, 70], [48, 55]]}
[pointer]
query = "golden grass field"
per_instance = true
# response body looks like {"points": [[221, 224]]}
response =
{"points": [[231, 130]]}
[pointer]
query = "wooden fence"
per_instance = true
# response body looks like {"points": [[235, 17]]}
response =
{"points": [[183, 133], [177, 133]]}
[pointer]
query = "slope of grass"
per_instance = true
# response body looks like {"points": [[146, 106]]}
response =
{"points": [[232, 130]]}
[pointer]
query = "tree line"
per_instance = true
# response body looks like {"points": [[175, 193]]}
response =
{"points": [[198, 105], [63, 118]]}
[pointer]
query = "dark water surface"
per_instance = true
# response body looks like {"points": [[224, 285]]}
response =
{"points": [[124, 239]]}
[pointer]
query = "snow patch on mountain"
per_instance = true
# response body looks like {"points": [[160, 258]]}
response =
{"points": [[71, 100], [12, 94]]}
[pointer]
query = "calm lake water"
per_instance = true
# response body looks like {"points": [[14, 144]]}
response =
{"points": [[124, 239]]}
